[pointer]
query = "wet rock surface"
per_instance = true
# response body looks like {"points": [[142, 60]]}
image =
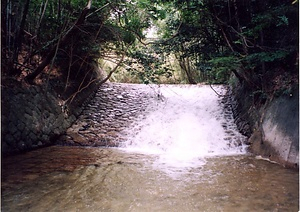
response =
{"points": [[112, 110], [234, 138]]}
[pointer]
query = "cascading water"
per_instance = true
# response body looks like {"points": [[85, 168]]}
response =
{"points": [[186, 124], [193, 160]]}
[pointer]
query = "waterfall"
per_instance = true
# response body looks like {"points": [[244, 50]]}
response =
{"points": [[185, 125]]}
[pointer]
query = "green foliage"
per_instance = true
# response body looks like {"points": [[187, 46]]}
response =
{"points": [[204, 40], [222, 67], [107, 29], [257, 58], [246, 36], [229, 62], [148, 66]]}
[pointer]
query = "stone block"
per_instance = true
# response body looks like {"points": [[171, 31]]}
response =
{"points": [[29, 143], [39, 108], [4, 147], [21, 126], [25, 132], [72, 118], [21, 145], [8, 138], [28, 110], [11, 117], [45, 138], [47, 129], [12, 128], [46, 114], [27, 117], [66, 124], [56, 131], [35, 115], [17, 135], [51, 118], [32, 136]]}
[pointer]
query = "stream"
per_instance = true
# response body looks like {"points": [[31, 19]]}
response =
{"points": [[183, 154]]}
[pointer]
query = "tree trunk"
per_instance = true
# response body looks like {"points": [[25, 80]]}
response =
{"points": [[4, 25], [59, 11], [184, 65], [19, 39], [30, 77], [240, 78], [42, 13], [244, 44], [189, 72]]}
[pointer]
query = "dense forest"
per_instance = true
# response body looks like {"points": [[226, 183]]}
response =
{"points": [[72, 42]]}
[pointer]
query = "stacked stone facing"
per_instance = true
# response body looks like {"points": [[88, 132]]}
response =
{"points": [[32, 117]]}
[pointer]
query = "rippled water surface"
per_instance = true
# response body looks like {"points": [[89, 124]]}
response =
{"points": [[132, 182], [185, 154]]}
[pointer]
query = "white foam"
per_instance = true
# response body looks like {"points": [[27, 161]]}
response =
{"points": [[184, 128]]}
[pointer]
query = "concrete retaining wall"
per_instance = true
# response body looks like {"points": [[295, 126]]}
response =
{"points": [[274, 125], [280, 130]]}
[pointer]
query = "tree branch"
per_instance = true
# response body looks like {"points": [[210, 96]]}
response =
{"points": [[101, 8], [30, 77], [71, 98]]}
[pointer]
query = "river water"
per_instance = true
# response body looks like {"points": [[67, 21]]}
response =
{"points": [[183, 154]]}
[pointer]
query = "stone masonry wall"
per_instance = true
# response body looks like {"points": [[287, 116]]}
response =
{"points": [[33, 117]]}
